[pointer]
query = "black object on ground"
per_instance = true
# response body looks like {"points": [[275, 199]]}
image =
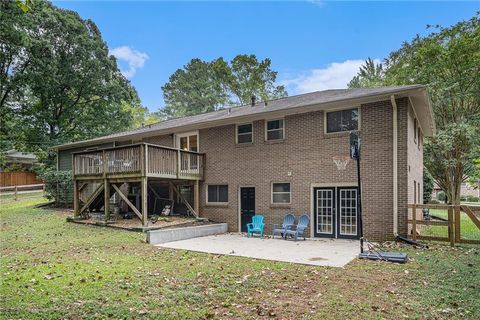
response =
{"points": [[437, 218], [397, 257], [412, 242]]}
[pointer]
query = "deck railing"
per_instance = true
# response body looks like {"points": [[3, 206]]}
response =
{"points": [[142, 159]]}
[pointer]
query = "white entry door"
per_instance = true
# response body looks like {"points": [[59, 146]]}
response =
{"points": [[188, 141]]}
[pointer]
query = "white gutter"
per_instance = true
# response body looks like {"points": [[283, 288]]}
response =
{"points": [[395, 165]]}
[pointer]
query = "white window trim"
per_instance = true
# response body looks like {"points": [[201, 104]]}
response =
{"points": [[266, 129], [282, 192], [359, 126], [236, 132], [216, 203]]}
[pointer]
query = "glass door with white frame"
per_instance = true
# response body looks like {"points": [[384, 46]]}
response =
{"points": [[188, 142]]}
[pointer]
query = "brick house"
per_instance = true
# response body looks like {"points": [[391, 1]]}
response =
{"points": [[269, 158]]}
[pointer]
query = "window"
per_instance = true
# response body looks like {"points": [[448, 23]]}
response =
{"points": [[415, 130], [414, 191], [274, 130], [343, 120], [217, 194], [281, 193], [419, 192], [419, 138], [244, 133]]}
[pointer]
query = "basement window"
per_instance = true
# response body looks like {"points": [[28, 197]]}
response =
{"points": [[281, 193], [217, 193]]}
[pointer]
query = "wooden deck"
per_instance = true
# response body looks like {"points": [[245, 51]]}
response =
{"points": [[138, 160]]}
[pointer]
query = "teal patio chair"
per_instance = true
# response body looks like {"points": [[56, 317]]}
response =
{"points": [[256, 226]]}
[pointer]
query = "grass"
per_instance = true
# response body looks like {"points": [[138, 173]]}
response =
{"points": [[468, 229], [22, 195], [52, 269]]}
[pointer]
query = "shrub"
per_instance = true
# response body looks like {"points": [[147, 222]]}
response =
{"points": [[434, 201], [58, 186], [472, 199], [441, 196]]}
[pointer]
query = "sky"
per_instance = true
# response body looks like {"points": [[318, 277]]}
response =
{"points": [[314, 45]]}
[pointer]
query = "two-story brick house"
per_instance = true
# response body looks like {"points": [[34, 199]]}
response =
{"points": [[271, 158]]}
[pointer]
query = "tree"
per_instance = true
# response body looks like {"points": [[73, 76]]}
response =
{"points": [[202, 86], [448, 62], [427, 186], [371, 74], [58, 83], [192, 90], [245, 77]]}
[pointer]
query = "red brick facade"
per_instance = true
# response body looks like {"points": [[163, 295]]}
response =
{"points": [[304, 158]]}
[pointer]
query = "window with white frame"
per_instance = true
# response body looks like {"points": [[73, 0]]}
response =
{"points": [[281, 193], [245, 133], [274, 130], [342, 120], [217, 193]]}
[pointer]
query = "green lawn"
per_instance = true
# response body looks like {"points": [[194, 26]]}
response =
{"points": [[51, 269], [468, 229]]}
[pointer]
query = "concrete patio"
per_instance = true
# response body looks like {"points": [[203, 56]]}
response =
{"points": [[317, 252]]}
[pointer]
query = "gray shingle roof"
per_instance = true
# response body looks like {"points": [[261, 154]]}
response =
{"points": [[307, 99]]}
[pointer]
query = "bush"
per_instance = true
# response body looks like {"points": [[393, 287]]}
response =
{"points": [[441, 196], [472, 199], [58, 186], [434, 201]]}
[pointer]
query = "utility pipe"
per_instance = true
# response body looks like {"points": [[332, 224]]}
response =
{"points": [[395, 165]]}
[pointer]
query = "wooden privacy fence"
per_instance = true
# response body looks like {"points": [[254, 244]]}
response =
{"points": [[18, 178], [454, 224]]}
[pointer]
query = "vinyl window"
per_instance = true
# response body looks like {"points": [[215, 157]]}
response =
{"points": [[281, 193], [274, 130], [245, 133], [342, 120], [217, 193]]}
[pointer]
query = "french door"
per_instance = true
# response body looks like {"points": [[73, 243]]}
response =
{"points": [[336, 212], [188, 142]]}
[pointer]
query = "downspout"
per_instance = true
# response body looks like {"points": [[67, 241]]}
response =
{"points": [[395, 166]]}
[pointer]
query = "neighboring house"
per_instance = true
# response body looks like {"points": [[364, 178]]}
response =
{"points": [[21, 159], [271, 158], [466, 189]]}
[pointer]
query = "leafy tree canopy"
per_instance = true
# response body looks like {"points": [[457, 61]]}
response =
{"points": [[57, 80], [202, 86], [448, 62]]}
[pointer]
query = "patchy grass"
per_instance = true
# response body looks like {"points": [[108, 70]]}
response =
{"points": [[52, 269], [468, 229]]}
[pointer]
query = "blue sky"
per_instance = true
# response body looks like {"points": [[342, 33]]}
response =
{"points": [[314, 45]]}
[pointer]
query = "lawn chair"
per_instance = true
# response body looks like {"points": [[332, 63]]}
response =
{"points": [[256, 226], [287, 224], [299, 230]]}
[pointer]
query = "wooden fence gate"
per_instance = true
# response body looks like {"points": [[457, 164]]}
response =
{"points": [[454, 224]]}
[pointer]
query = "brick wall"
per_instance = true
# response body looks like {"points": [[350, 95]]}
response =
{"points": [[304, 158]]}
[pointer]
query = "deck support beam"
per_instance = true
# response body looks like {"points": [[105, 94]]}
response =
{"points": [[144, 195], [182, 198], [125, 198], [76, 198], [107, 199], [92, 197], [196, 197]]}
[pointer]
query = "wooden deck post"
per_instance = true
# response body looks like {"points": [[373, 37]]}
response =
{"points": [[107, 200], [144, 195], [75, 198], [196, 197], [451, 233], [457, 224]]}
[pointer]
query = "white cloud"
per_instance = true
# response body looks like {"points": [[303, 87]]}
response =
{"points": [[335, 75], [134, 59], [318, 3]]}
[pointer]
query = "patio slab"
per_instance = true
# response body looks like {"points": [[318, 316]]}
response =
{"points": [[317, 252]]}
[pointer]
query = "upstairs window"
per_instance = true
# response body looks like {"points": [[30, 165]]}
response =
{"points": [[274, 130], [217, 193], [343, 120], [415, 126], [245, 133], [281, 193]]}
